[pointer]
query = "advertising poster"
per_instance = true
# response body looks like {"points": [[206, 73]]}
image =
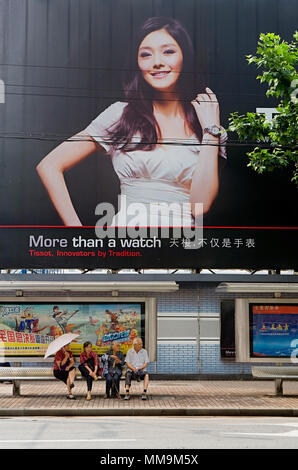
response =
{"points": [[114, 151], [227, 329], [27, 329], [274, 330]]}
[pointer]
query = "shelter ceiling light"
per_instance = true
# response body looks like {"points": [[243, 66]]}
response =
{"points": [[269, 287], [131, 286]]}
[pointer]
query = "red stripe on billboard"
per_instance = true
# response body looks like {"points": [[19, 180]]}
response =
{"points": [[275, 309]]}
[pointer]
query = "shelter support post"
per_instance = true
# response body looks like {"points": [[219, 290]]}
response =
{"points": [[279, 387]]}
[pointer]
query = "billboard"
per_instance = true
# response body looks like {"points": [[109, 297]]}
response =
{"points": [[273, 330], [113, 151], [27, 329]]}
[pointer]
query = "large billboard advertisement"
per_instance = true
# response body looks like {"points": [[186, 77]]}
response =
{"points": [[113, 149], [27, 329], [273, 330]]}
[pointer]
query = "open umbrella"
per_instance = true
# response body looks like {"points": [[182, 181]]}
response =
{"points": [[59, 342]]}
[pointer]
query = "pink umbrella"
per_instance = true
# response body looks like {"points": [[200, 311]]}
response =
{"points": [[59, 342]]}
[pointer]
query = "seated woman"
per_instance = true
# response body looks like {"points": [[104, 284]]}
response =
{"points": [[113, 371], [89, 366], [64, 369]]}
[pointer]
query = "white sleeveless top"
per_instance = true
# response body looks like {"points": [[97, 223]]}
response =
{"points": [[162, 176]]}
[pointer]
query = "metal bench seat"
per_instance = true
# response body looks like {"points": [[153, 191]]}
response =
{"points": [[277, 373], [18, 374], [31, 373]]}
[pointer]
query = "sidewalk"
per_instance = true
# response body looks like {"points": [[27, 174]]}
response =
{"points": [[165, 398]]}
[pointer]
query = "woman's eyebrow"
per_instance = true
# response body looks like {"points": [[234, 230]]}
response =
{"points": [[170, 44], [163, 45]]}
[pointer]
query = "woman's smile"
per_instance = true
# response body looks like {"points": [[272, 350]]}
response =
{"points": [[160, 74]]}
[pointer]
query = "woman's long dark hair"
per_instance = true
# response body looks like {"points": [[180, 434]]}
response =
{"points": [[137, 118]]}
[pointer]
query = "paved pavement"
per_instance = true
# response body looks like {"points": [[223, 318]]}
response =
{"points": [[168, 398]]}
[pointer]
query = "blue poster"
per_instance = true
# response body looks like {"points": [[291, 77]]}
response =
{"points": [[274, 330]]}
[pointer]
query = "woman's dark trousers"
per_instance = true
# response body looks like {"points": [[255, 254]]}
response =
{"points": [[109, 383], [85, 373]]}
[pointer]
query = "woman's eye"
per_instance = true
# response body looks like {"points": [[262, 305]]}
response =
{"points": [[144, 54], [169, 51]]}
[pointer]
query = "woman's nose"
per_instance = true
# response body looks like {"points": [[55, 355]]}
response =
{"points": [[158, 62]]}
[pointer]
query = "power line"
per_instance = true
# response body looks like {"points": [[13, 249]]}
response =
{"points": [[120, 90], [94, 97], [174, 142], [115, 69]]}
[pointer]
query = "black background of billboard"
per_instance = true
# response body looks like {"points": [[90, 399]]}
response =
{"points": [[65, 68]]}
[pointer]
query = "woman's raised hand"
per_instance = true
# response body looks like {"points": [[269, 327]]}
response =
{"points": [[207, 109]]}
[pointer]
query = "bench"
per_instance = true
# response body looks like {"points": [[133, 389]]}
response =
{"points": [[18, 374], [277, 373]]}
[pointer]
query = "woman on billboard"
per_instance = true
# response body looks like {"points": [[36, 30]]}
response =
{"points": [[165, 140]]}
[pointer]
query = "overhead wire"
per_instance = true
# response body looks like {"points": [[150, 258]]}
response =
{"points": [[58, 137], [52, 95], [120, 90], [168, 142], [115, 69]]}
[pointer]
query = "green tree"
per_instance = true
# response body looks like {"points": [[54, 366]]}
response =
{"points": [[276, 141]]}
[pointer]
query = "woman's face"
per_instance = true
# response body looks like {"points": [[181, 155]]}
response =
{"points": [[160, 60], [88, 348]]}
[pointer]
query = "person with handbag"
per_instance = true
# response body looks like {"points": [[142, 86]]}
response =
{"points": [[88, 367], [112, 373]]}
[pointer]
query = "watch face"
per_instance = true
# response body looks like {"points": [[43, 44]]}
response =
{"points": [[215, 130]]}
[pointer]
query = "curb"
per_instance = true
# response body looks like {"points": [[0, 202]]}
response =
{"points": [[149, 412]]}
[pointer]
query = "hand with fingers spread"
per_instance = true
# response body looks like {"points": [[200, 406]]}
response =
{"points": [[207, 109]]}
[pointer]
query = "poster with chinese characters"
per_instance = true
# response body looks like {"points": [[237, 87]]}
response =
{"points": [[273, 330], [27, 329]]}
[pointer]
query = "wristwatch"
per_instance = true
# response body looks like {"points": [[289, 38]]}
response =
{"points": [[213, 130]]}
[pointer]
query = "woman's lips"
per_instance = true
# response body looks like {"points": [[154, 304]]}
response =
{"points": [[159, 74]]}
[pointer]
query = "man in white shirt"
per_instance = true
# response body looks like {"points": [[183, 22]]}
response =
{"points": [[136, 360]]}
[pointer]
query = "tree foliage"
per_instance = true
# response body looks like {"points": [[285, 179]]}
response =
{"points": [[276, 141]]}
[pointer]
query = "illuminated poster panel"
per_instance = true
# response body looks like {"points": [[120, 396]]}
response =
{"points": [[27, 329], [273, 330]]}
